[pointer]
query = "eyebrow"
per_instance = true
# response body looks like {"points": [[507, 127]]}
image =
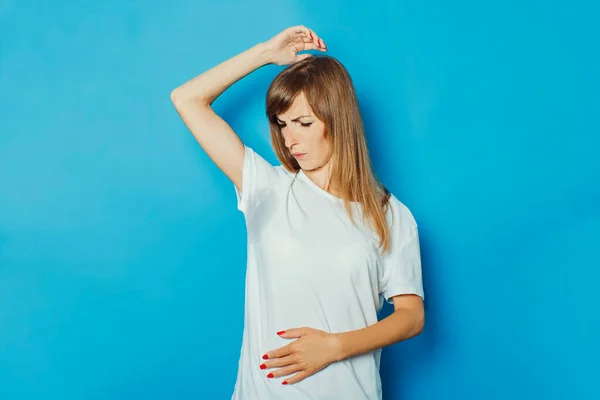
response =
{"points": [[295, 119]]}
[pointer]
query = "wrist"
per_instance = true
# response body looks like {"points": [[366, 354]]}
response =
{"points": [[339, 346], [266, 52]]}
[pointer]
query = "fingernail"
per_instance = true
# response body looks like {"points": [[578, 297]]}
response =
{"points": [[270, 375], [280, 332], [263, 366], [265, 357], [284, 383], [310, 33]]}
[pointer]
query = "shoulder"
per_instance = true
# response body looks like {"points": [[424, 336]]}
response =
{"points": [[281, 170], [399, 215], [255, 160]]}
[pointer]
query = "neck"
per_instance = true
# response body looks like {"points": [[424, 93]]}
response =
{"points": [[320, 175]]}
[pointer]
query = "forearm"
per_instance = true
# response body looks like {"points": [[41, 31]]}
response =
{"points": [[402, 324], [208, 86]]}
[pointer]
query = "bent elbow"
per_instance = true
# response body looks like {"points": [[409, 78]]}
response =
{"points": [[180, 99], [176, 97], [420, 325]]}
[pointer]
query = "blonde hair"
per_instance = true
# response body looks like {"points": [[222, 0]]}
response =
{"points": [[330, 92]]}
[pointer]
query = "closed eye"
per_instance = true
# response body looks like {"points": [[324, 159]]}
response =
{"points": [[304, 124]]}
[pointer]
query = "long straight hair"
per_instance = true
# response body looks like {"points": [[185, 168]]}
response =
{"points": [[331, 94]]}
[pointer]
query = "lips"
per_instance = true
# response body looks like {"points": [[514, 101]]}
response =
{"points": [[298, 155]]}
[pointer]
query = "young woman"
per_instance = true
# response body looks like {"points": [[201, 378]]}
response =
{"points": [[327, 243]]}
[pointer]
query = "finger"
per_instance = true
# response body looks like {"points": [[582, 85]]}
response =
{"points": [[278, 362], [303, 32], [297, 332], [311, 46], [302, 57], [280, 352], [296, 378], [308, 33], [318, 41], [284, 371], [312, 42], [302, 29], [315, 38]]}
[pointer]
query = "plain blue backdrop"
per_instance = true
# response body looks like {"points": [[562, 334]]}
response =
{"points": [[122, 253]]}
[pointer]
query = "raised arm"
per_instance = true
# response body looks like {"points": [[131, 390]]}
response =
{"points": [[194, 98], [193, 102]]}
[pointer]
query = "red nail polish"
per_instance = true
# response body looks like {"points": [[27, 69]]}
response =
{"points": [[263, 366], [270, 375], [265, 357], [310, 33], [280, 332], [284, 383]]}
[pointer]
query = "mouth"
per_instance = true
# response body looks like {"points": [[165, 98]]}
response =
{"points": [[299, 155]]}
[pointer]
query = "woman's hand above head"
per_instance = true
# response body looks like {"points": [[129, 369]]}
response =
{"points": [[285, 45]]}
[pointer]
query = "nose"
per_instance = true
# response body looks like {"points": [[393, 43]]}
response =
{"points": [[289, 136]]}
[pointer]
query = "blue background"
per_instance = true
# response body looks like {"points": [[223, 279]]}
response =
{"points": [[122, 253]]}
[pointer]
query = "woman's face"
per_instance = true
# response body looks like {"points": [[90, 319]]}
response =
{"points": [[304, 135]]}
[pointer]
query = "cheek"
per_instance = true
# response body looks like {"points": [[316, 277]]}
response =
{"points": [[318, 140], [323, 147]]}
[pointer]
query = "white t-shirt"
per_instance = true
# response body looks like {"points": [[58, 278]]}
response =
{"points": [[308, 266]]}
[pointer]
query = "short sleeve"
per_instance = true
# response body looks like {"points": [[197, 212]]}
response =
{"points": [[401, 265], [258, 178]]}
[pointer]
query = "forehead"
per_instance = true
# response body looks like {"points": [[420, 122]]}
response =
{"points": [[299, 107]]}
